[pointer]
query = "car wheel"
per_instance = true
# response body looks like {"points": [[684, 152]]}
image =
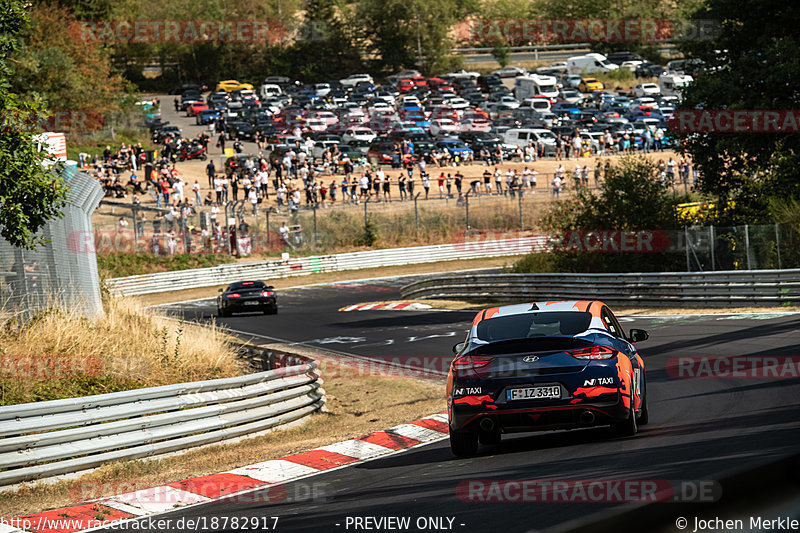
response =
{"points": [[203, 157], [490, 438], [644, 416], [271, 311], [223, 312], [627, 427], [464, 443]]}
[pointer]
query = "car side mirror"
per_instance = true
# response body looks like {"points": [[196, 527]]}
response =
{"points": [[220, 290], [458, 347], [638, 335]]}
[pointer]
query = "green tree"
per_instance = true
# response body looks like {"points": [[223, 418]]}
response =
{"points": [[30, 195], [55, 64], [751, 64], [632, 197], [500, 54], [327, 45], [413, 33]]}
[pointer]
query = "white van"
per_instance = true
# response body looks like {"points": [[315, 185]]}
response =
{"points": [[539, 104], [269, 90], [521, 136], [590, 63], [535, 85], [672, 84]]}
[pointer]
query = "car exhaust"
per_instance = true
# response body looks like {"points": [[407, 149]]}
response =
{"points": [[487, 424], [587, 418]]}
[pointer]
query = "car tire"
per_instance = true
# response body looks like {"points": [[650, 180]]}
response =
{"points": [[271, 311], [464, 443], [627, 427], [644, 416], [490, 438], [203, 157], [223, 312]]}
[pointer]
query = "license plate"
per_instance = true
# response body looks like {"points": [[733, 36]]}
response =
{"points": [[534, 393], [252, 303]]}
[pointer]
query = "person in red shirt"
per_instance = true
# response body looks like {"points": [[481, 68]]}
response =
{"points": [[441, 185]]}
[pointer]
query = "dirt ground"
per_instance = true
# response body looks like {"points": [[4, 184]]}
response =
{"points": [[107, 216]]}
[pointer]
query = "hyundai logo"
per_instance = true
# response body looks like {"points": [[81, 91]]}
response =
{"points": [[530, 358]]}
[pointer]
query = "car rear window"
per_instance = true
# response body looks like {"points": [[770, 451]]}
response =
{"points": [[532, 324], [247, 285]]}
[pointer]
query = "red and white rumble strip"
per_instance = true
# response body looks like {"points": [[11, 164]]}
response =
{"points": [[240, 482], [393, 306]]}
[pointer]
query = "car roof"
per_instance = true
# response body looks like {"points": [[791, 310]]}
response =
{"points": [[591, 306]]}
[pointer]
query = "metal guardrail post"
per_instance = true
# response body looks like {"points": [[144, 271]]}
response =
{"points": [[366, 220], [416, 212], [314, 208], [747, 244], [713, 245], [466, 207], [686, 244]]}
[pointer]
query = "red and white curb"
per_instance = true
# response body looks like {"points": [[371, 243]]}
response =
{"points": [[234, 483], [394, 306]]}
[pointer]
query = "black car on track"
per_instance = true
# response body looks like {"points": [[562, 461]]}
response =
{"points": [[247, 296]]}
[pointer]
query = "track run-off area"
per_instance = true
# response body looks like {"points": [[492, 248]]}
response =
{"points": [[709, 419]]}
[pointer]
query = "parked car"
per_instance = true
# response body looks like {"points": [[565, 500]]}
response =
{"points": [[588, 85]]}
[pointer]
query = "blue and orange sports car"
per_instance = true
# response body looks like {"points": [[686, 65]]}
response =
{"points": [[544, 365]]}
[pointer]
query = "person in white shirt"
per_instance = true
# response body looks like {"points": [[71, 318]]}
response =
{"points": [[196, 190], [284, 231], [526, 178], [178, 186], [218, 189], [252, 197], [534, 173], [264, 178], [214, 213]]}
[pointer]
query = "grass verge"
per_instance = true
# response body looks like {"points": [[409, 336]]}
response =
{"points": [[62, 355], [122, 264]]}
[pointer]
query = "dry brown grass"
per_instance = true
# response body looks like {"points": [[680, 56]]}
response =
{"points": [[357, 406], [60, 354]]}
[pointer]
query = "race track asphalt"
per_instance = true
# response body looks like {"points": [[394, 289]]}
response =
{"points": [[700, 429]]}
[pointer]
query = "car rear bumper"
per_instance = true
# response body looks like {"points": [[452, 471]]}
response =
{"points": [[250, 305], [534, 415]]}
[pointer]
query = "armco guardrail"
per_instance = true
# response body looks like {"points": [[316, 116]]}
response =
{"points": [[689, 289], [221, 275], [45, 439]]}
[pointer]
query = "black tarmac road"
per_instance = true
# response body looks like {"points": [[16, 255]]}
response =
{"points": [[699, 430]]}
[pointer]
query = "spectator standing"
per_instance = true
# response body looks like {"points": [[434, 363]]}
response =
{"points": [[211, 172], [196, 190]]}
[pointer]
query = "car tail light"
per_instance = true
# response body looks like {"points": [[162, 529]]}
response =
{"points": [[267, 293], [593, 353], [470, 362], [234, 295]]}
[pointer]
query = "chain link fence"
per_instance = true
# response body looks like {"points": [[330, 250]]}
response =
{"points": [[62, 272], [747, 247]]}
